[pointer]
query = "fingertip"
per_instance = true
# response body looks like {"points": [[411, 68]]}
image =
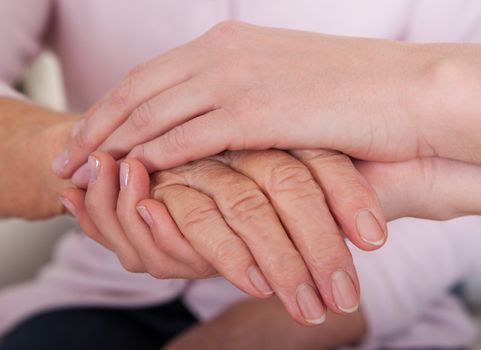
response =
{"points": [[60, 165], [345, 291], [81, 177], [371, 231], [102, 156], [68, 205], [145, 214], [134, 176]]}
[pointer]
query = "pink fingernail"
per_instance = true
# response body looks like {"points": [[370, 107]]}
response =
{"points": [[369, 228], [94, 167], [124, 175], [145, 214], [69, 206], [310, 304], [81, 177], [59, 164], [344, 292], [259, 281]]}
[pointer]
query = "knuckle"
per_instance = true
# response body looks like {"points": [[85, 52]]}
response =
{"points": [[82, 141], [176, 139], [131, 264], [141, 118], [204, 270], [285, 268], [162, 179], [135, 71], [322, 155], [139, 152], [225, 30], [288, 177], [330, 257], [144, 154], [227, 252], [246, 204], [201, 215], [157, 272], [94, 207], [122, 94], [350, 193]]}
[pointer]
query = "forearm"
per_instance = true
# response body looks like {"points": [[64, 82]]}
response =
{"points": [[30, 137], [446, 101], [264, 324]]}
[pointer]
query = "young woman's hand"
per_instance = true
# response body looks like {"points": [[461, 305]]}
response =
{"points": [[241, 86]]}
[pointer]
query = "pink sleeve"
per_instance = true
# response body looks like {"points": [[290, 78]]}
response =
{"points": [[23, 25], [444, 21]]}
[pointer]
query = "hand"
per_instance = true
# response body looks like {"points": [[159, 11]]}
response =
{"points": [[241, 86], [30, 138], [284, 240]]}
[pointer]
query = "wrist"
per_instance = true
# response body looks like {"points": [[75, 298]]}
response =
{"points": [[446, 101], [33, 137]]}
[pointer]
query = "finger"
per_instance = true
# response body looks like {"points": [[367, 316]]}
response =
{"points": [[161, 113], [101, 202], [169, 239], [248, 212], [141, 84], [301, 206], [135, 186], [202, 225], [351, 199], [195, 139], [74, 200], [81, 177], [419, 188]]}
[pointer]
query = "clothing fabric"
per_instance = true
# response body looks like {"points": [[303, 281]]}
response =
{"points": [[147, 328], [97, 41]]}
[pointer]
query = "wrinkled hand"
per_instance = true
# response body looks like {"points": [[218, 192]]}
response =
{"points": [[30, 138], [241, 86], [261, 219]]}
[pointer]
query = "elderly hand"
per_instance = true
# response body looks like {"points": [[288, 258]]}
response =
{"points": [[241, 86], [261, 219], [30, 138]]}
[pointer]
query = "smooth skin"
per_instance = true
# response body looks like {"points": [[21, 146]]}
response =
{"points": [[241, 86], [195, 197]]}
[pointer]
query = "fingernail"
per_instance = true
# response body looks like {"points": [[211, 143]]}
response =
{"points": [[345, 294], [145, 214], [259, 281], [59, 164], [369, 228], [124, 175], [68, 205], [81, 176], [94, 167], [76, 128], [310, 304]]}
